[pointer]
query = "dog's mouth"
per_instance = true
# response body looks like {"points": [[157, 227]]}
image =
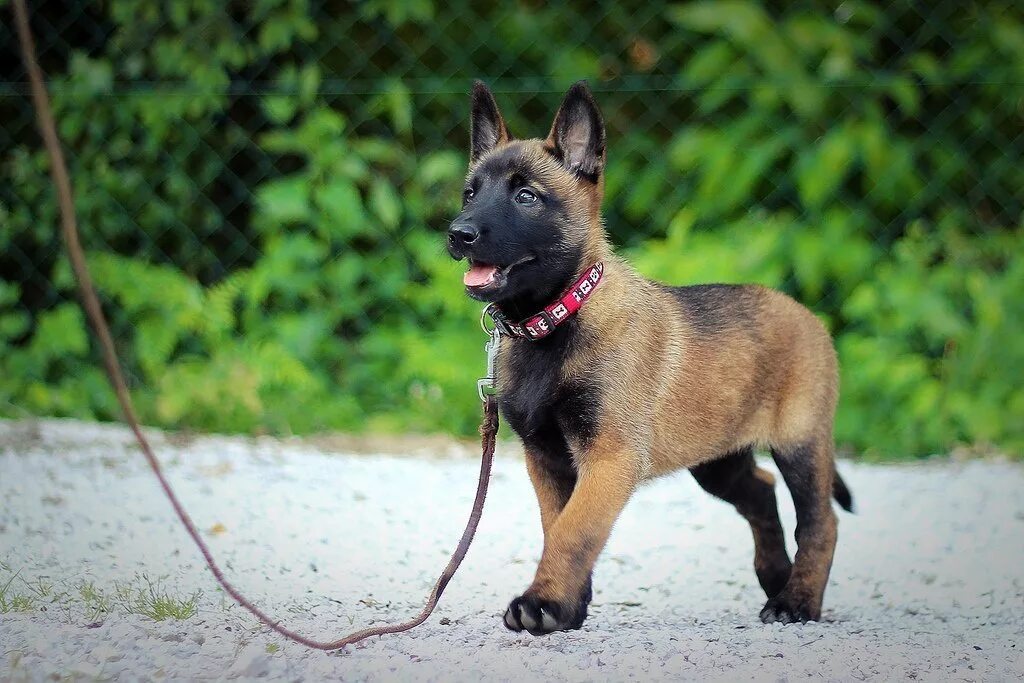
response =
{"points": [[486, 278]]}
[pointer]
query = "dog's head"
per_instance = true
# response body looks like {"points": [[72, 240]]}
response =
{"points": [[530, 208]]}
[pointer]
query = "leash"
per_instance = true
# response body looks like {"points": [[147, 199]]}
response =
{"points": [[91, 304]]}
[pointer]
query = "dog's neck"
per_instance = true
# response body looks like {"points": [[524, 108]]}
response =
{"points": [[528, 304]]}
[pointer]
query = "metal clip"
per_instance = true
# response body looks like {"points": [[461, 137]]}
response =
{"points": [[485, 385], [497, 319]]}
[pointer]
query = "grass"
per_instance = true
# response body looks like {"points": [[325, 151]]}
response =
{"points": [[11, 601], [154, 602], [89, 602], [94, 601]]}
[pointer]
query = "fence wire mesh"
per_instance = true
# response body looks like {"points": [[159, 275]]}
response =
{"points": [[263, 187]]}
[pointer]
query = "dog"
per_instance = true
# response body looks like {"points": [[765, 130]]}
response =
{"points": [[610, 379]]}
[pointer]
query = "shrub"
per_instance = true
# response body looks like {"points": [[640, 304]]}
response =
{"points": [[263, 191]]}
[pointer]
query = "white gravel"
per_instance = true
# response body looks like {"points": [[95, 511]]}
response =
{"points": [[928, 580]]}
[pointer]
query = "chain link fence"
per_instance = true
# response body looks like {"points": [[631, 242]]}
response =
{"points": [[263, 189]]}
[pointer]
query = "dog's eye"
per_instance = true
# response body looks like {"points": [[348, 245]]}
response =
{"points": [[467, 195], [525, 196]]}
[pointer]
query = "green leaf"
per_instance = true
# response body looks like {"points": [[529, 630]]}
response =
{"points": [[13, 325], [284, 200], [440, 167], [384, 203], [711, 62], [61, 332], [906, 94], [156, 340], [399, 104], [822, 169], [342, 206], [280, 108]]}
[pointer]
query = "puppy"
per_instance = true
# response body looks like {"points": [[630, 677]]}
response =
{"points": [[610, 379]]}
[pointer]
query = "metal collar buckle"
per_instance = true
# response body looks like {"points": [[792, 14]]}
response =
{"points": [[498, 318]]}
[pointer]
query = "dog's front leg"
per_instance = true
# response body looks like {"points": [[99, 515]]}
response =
{"points": [[553, 478], [558, 597]]}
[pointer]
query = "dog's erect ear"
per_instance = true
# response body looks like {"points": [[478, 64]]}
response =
{"points": [[487, 129], [577, 134]]}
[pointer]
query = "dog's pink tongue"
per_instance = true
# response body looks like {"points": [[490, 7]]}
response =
{"points": [[479, 274]]}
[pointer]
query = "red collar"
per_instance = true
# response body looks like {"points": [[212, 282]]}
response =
{"points": [[544, 323]]}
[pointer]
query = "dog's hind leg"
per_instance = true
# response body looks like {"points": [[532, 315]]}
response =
{"points": [[808, 470], [736, 479]]}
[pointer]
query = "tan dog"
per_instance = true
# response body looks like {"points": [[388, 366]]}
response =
{"points": [[611, 379]]}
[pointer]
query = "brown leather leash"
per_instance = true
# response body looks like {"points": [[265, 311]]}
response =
{"points": [[91, 304]]}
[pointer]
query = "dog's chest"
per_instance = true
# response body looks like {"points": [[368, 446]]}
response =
{"points": [[548, 411]]}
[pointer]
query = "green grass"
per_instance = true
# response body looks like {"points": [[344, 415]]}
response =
{"points": [[85, 601], [94, 601], [11, 601], [153, 601], [18, 602]]}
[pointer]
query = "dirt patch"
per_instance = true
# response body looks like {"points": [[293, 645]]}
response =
{"points": [[927, 581]]}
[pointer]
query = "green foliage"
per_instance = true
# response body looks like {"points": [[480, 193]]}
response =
{"points": [[272, 255]]}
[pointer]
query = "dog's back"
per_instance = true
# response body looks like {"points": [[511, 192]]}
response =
{"points": [[706, 369], [757, 368]]}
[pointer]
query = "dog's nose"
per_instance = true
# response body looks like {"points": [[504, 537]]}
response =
{"points": [[462, 234]]}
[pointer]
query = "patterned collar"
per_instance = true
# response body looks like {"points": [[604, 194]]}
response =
{"points": [[544, 323]]}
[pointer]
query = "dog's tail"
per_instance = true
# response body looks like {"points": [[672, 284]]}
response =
{"points": [[841, 493]]}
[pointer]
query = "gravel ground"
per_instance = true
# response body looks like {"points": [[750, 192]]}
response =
{"points": [[928, 580]]}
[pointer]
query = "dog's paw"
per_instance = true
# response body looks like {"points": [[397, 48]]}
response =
{"points": [[789, 609], [539, 616]]}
